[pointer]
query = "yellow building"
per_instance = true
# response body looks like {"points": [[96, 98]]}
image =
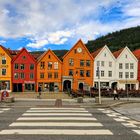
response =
{"points": [[5, 69]]}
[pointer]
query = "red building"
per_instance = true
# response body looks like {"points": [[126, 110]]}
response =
{"points": [[23, 72], [137, 54]]}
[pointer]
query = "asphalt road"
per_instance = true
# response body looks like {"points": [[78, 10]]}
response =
{"points": [[20, 123]]}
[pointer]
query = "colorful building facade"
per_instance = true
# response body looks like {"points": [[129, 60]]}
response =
{"points": [[49, 72], [77, 68], [137, 54], [5, 69], [23, 72]]}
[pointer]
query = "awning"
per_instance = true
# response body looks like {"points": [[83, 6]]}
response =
{"points": [[128, 81]]}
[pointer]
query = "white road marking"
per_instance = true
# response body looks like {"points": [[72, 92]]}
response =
{"points": [[134, 122], [57, 114], [119, 120], [56, 118], [5, 109], [55, 132], [81, 124], [1, 111], [57, 111], [123, 117], [111, 115], [101, 109], [137, 131], [59, 108], [129, 125], [108, 111], [118, 114]]}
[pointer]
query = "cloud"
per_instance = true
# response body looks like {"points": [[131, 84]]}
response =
{"points": [[2, 41], [52, 22]]}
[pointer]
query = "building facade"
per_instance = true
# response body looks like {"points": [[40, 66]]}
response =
{"points": [[5, 69], [23, 72], [137, 54], [49, 72], [77, 68], [105, 63], [126, 69]]}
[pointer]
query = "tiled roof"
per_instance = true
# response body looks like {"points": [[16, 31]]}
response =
{"points": [[94, 54], [117, 53], [137, 53]]}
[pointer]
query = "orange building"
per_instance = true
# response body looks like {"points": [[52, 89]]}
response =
{"points": [[77, 68], [49, 72], [5, 69]]}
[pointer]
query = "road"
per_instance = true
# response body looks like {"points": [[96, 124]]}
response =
{"points": [[20, 123]]}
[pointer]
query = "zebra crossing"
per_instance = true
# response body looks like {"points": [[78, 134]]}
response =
{"points": [[125, 121], [2, 110], [56, 121]]}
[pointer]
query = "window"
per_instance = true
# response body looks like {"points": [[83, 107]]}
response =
{"points": [[49, 65], [75, 51], [109, 73], [120, 66], [98, 63], [3, 60], [126, 65], [131, 66], [71, 62], [88, 73], [120, 75], [81, 62], [126, 74], [82, 73], [22, 75], [56, 65], [31, 76], [16, 66], [126, 56], [22, 66], [23, 57], [88, 63], [41, 75], [97, 73], [131, 74], [70, 72], [104, 54], [49, 56], [42, 65], [49, 75], [102, 63], [3, 72], [102, 73], [110, 64], [56, 75], [31, 66], [16, 75]]}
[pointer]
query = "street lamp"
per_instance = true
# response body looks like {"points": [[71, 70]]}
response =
{"points": [[99, 90]]}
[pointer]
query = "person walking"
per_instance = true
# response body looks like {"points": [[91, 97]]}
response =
{"points": [[39, 91], [115, 94]]}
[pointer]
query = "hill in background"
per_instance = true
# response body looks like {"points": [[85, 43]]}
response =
{"points": [[127, 37]]}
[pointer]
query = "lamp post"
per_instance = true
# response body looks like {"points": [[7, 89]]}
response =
{"points": [[99, 90]]}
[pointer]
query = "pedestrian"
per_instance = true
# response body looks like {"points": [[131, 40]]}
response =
{"points": [[115, 92], [39, 91]]}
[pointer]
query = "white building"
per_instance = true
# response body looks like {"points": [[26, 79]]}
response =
{"points": [[105, 61], [126, 69]]}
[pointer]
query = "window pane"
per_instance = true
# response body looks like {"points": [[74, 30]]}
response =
{"points": [[120, 66], [16, 75], [88, 63], [71, 62], [31, 66], [49, 65], [56, 75], [49, 75], [42, 65], [3, 72], [82, 73], [22, 67], [88, 73], [3, 60], [41, 75], [81, 62], [70, 72], [56, 65]]}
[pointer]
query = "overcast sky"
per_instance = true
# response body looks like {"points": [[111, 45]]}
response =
{"points": [[58, 24]]}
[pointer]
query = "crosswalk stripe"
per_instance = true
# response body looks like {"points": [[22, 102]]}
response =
{"points": [[123, 117], [1, 111], [119, 120], [55, 132], [58, 111], [55, 124], [56, 118], [58, 108], [129, 125], [57, 114], [5, 109], [137, 131], [111, 115]]}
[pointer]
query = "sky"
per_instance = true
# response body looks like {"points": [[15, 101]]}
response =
{"points": [[59, 24]]}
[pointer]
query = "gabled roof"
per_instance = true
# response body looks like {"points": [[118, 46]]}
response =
{"points": [[23, 49], [117, 53], [94, 54], [6, 50], [79, 41], [41, 56], [137, 53]]}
